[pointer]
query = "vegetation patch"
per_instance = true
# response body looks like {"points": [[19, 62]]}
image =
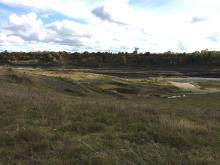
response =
{"points": [[53, 117]]}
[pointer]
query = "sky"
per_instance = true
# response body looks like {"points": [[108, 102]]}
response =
{"points": [[109, 25]]}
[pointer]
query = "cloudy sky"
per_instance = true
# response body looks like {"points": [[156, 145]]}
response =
{"points": [[109, 25]]}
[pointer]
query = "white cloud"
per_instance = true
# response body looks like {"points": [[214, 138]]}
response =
{"points": [[126, 27], [28, 27], [10, 39]]}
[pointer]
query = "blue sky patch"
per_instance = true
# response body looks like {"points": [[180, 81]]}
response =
{"points": [[55, 16], [150, 3], [6, 11], [14, 9]]}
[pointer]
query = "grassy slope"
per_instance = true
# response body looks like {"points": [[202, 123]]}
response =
{"points": [[58, 117]]}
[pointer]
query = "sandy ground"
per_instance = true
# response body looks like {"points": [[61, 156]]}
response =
{"points": [[184, 86], [196, 89]]}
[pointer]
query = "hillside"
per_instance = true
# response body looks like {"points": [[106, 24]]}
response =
{"points": [[90, 116]]}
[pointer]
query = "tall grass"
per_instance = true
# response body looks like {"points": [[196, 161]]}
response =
{"points": [[42, 125]]}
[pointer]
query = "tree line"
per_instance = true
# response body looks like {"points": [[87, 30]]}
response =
{"points": [[98, 59]]}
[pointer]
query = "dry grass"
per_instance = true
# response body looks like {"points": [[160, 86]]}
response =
{"points": [[76, 76], [50, 123], [183, 124]]}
